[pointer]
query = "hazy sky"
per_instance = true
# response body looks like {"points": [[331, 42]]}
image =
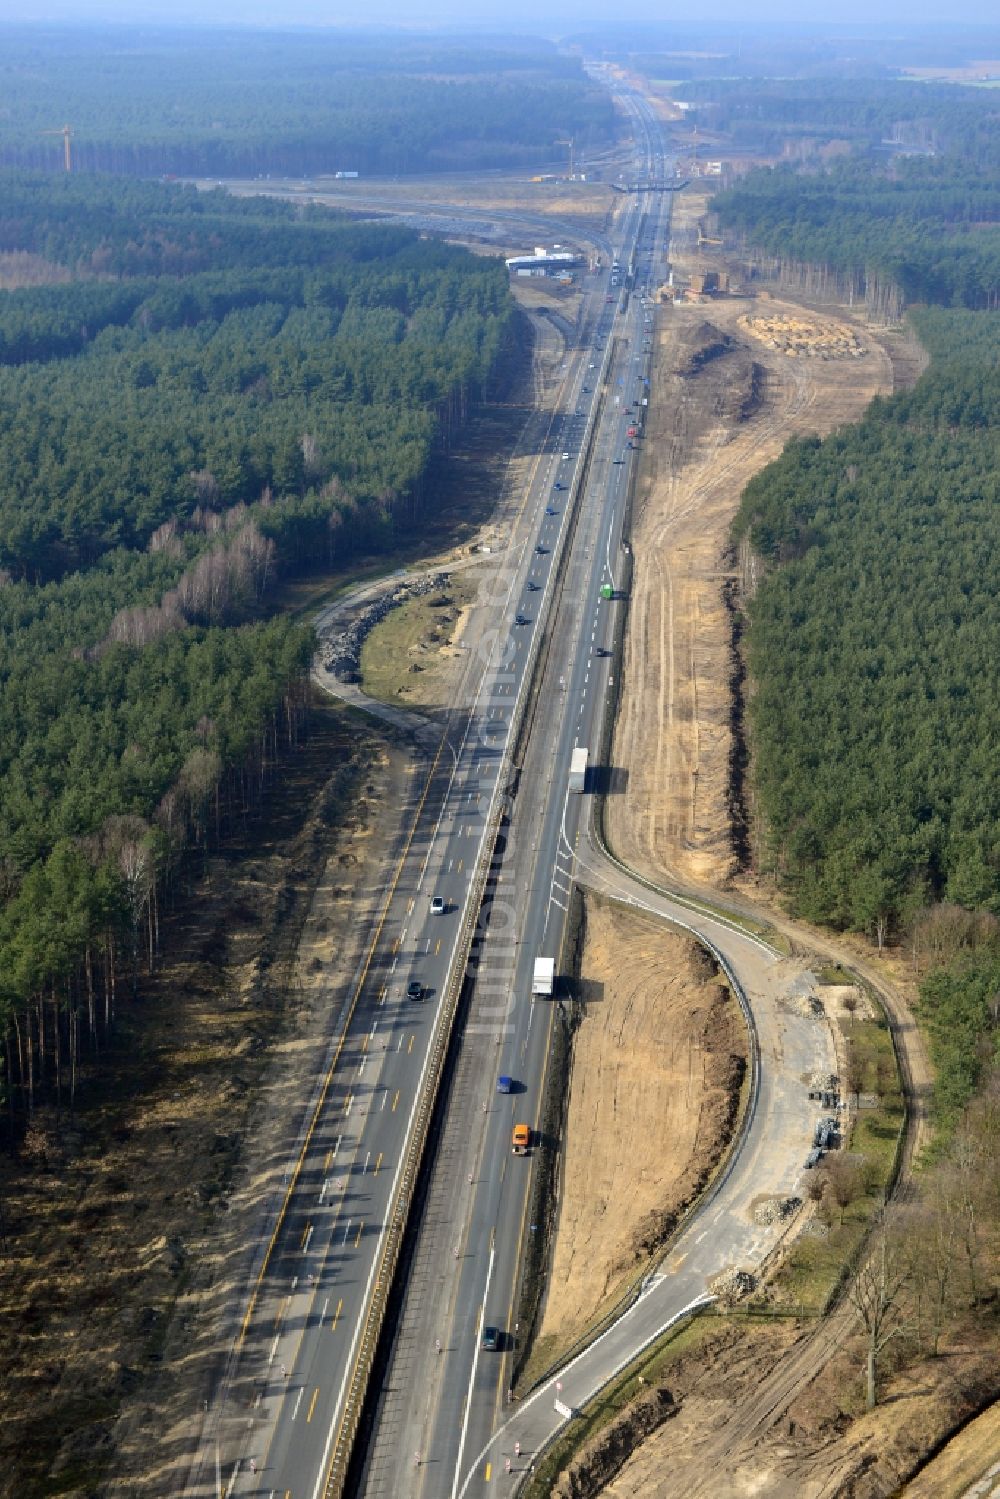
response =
{"points": [[534, 15]]}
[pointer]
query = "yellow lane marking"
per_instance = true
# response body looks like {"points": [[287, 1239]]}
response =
{"points": [[438, 947], [282, 1309], [378, 1164], [489, 1470], [305, 1236], [329, 1158], [460, 863], [336, 1315], [410, 905], [410, 1047], [347, 1105], [395, 1101], [312, 1403], [321, 1101], [361, 1229]]}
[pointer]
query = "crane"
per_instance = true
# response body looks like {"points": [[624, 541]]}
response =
{"points": [[66, 133], [567, 141]]}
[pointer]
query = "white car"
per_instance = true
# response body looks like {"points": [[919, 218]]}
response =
{"points": [[565, 458], [437, 905]]}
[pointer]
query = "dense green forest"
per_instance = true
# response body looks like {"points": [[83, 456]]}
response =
{"points": [[872, 647], [234, 103], [226, 390], [912, 214], [929, 227]]}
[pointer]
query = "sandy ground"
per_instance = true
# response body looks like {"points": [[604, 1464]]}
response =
{"points": [[970, 1459], [815, 1451], [708, 431], [654, 1072]]}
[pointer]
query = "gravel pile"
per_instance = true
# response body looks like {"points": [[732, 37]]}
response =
{"points": [[733, 1285], [775, 1210], [341, 651]]}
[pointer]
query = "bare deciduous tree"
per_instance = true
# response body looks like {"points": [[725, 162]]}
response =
{"points": [[876, 1294], [845, 1179]]}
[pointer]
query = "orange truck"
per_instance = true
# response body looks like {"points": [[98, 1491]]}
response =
{"points": [[521, 1139]]}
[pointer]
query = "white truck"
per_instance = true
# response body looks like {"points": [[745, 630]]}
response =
{"points": [[544, 977], [578, 769]]}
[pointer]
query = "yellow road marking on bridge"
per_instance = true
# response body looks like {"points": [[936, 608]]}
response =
{"points": [[377, 1164], [410, 1047], [282, 1309], [460, 863], [347, 1105], [395, 1101], [336, 1315], [438, 947], [312, 1403], [489, 1471], [305, 1236], [361, 1229]]}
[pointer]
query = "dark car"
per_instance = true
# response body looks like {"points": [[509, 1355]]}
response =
{"points": [[557, 485], [490, 1341], [540, 550], [521, 619], [414, 989], [551, 510], [533, 587]]}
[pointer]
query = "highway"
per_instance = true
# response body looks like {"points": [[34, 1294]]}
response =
{"points": [[444, 1422], [306, 1324], [282, 1423]]}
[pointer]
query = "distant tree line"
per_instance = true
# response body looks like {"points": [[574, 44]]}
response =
{"points": [[771, 115], [225, 103]]}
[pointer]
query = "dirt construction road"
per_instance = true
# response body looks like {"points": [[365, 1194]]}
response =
{"points": [[726, 401]]}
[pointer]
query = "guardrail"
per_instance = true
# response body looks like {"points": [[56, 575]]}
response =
{"points": [[398, 1216], [399, 1212]]}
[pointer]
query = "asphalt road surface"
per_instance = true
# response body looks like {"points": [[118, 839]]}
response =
{"points": [[444, 1425]]}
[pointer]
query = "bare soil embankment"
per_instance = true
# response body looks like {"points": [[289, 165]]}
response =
{"points": [[823, 1442], [658, 1063], [733, 383]]}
